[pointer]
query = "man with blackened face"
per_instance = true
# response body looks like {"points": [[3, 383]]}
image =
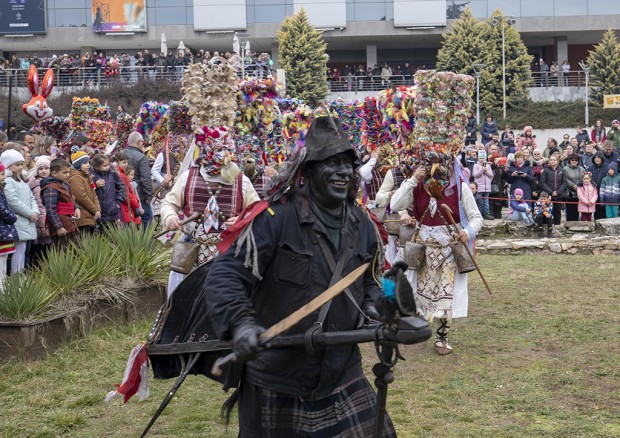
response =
{"points": [[307, 236]]}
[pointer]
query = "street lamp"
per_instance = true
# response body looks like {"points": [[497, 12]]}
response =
{"points": [[478, 71], [510, 20], [586, 69], [241, 52]]}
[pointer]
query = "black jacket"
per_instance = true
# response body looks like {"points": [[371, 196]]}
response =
{"points": [[294, 271], [553, 181], [140, 163]]}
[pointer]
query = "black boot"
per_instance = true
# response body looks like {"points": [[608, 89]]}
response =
{"points": [[549, 230], [540, 232]]}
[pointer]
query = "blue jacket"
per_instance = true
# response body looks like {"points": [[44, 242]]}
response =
{"points": [[111, 195], [8, 232], [488, 129], [610, 189], [523, 182]]}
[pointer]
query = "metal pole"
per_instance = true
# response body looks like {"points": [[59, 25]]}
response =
{"points": [[8, 113], [504, 65], [478, 98], [587, 98]]}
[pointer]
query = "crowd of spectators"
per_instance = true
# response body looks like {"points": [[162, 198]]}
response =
{"points": [[95, 66]]}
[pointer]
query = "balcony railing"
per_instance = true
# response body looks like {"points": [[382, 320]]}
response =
{"points": [[104, 76]]}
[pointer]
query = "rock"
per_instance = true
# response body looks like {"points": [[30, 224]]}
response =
{"points": [[580, 236], [555, 247], [579, 227], [609, 226], [524, 244], [566, 246], [499, 245], [573, 251]]}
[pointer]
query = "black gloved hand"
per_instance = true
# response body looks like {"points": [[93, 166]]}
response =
{"points": [[246, 341], [370, 310]]}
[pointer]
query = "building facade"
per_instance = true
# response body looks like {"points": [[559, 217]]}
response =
{"points": [[358, 32]]}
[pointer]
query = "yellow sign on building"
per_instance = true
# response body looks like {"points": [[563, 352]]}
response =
{"points": [[611, 101]]}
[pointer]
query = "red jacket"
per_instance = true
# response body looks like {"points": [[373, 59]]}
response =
{"points": [[133, 203]]}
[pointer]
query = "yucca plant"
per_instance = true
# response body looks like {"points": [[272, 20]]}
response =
{"points": [[24, 295], [66, 270], [101, 260], [141, 256]]}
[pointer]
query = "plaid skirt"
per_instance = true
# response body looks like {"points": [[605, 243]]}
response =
{"points": [[347, 412]]}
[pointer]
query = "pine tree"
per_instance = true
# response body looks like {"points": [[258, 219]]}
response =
{"points": [[518, 74], [303, 58], [605, 68], [463, 45]]}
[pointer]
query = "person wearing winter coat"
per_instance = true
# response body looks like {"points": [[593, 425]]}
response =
{"points": [[488, 129], [613, 134], [527, 139], [609, 193], [519, 209], [498, 186], [62, 211], [520, 176], [81, 184], [598, 169], [598, 134], [41, 171], [109, 189], [507, 141], [130, 209], [610, 153], [553, 182], [471, 129], [582, 137], [587, 195], [8, 232], [483, 175], [22, 201], [574, 172]]}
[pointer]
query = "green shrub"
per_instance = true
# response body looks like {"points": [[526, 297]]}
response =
{"points": [[550, 115], [66, 270], [101, 260], [141, 256], [24, 294]]}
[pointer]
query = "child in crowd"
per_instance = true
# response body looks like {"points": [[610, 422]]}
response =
{"points": [[8, 233], [21, 200], [62, 212], [477, 196], [609, 192], [83, 190], [483, 176], [587, 195], [543, 214], [519, 209], [109, 189], [131, 174], [131, 207], [41, 171]]}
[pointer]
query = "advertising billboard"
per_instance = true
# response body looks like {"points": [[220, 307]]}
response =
{"points": [[611, 101], [22, 17], [119, 16]]}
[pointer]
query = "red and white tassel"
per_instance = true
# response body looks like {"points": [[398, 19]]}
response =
{"points": [[136, 378]]}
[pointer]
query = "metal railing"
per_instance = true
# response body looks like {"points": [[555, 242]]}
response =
{"points": [[103, 76]]}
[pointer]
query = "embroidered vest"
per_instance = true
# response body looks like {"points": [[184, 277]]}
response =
{"points": [[373, 186], [198, 193], [421, 200]]}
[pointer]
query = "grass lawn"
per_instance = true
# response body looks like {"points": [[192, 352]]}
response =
{"points": [[540, 357]]}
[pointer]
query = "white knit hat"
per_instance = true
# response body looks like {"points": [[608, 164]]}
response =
{"points": [[10, 157]]}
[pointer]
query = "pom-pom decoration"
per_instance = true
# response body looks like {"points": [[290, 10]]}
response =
{"points": [[124, 126], [56, 126], [149, 116], [257, 108], [179, 119]]}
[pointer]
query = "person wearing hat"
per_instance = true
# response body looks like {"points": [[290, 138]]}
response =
{"points": [[83, 191], [215, 187], [41, 171], [613, 134], [311, 218], [8, 232], [22, 201], [609, 193], [440, 290], [519, 209]]}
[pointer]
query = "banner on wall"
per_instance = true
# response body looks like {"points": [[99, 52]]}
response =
{"points": [[22, 17], [611, 101], [119, 16]]}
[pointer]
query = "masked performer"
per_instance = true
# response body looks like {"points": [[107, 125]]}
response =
{"points": [[215, 187], [311, 234], [441, 290]]}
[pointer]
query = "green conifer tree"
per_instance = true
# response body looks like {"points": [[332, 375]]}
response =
{"points": [[463, 45], [518, 74], [303, 58], [604, 62]]}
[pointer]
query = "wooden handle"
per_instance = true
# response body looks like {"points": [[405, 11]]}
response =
{"points": [[192, 218]]}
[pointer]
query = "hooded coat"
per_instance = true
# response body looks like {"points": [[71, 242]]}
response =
{"points": [[598, 171], [85, 197], [523, 182], [22, 201]]}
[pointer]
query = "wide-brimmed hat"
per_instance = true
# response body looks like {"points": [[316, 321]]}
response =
{"points": [[326, 138]]}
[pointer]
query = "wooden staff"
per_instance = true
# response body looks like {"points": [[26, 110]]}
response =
{"points": [[456, 229], [192, 218]]}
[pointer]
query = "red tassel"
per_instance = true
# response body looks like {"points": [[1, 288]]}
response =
{"points": [[135, 380]]}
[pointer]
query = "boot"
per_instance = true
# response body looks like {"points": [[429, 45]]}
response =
{"points": [[549, 230], [540, 233]]}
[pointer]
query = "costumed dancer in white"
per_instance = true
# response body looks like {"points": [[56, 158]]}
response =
{"points": [[213, 186], [441, 292]]}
